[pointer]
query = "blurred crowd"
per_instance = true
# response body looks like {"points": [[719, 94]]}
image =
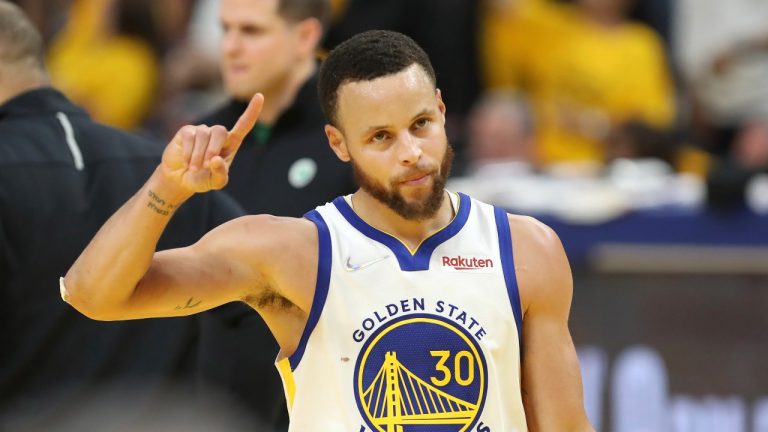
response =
{"points": [[561, 87], [586, 87]]}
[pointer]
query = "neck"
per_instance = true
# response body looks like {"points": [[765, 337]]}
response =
{"points": [[14, 82], [279, 99], [410, 232]]}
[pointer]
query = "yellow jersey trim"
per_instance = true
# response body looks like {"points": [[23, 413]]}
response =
{"points": [[289, 383]]}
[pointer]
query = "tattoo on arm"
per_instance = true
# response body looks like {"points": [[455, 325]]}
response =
{"points": [[159, 206], [190, 304]]}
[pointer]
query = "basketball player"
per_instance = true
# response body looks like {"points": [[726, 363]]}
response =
{"points": [[398, 308]]}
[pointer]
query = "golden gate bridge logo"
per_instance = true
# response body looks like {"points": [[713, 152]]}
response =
{"points": [[446, 387], [397, 397]]}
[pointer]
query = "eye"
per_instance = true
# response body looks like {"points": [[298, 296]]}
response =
{"points": [[421, 123], [379, 137], [252, 30]]}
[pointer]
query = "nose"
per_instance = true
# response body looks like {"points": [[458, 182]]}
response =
{"points": [[408, 149], [230, 43]]}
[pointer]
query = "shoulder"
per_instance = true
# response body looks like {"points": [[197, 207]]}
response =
{"points": [[534, 233], [542, 268], [536, 243]]}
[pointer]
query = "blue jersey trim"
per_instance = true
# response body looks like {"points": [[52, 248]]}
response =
{"points": [[321, 286], [420, 259], [508, 266]]}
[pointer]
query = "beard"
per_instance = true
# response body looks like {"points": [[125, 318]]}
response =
{"points": [[394, 200]]}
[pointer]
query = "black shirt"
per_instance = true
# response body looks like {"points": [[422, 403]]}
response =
{"points": [[61, 177], [291, 172]]}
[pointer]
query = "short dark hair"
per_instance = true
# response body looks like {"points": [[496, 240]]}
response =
{"points": [[298, 10], [365, 57], [19, 39]]}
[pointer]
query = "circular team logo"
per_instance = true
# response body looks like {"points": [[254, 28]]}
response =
{"points": [[420, 373], [302, 172]]}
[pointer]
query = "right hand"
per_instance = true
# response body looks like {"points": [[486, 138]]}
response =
{"points": [[198, 158]]}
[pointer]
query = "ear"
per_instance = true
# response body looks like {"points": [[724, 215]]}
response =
{"points": [[309, 33], [440, 103], [337, 142]]}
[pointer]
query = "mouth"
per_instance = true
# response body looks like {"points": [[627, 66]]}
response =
{"points": [[236, 69], [419, 179]]}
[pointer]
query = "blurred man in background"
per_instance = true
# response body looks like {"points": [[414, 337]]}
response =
{"points": [[283, 168], [270, 46], [61, 176], [501, 136]]}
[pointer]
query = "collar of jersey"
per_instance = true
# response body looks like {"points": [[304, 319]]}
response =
{"points": [[408, 260]]}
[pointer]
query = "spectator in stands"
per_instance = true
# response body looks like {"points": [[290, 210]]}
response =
{"points": [[106, 58], [500, 135], [585, 67]]}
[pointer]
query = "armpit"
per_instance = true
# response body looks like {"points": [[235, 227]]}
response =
{"points": [[270, 300]]}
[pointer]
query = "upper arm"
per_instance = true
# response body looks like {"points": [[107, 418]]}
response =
{"points": [[228, 264], [551, 381]]}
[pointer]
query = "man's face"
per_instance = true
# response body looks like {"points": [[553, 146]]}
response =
{"points": [[394, 134], [258, 47], [497, 131]]}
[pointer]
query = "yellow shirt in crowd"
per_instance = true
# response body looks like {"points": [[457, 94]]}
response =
{"points": [[582, 78], [114, 77]]}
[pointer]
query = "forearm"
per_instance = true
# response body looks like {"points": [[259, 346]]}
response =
{"points": [[105, 275]]}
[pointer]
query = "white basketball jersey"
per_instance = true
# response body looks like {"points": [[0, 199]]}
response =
{"points": [[410, 341]]}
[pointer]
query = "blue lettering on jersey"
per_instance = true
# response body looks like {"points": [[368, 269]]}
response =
{"points": [[389, 311], [401, 307], [470, 323]]}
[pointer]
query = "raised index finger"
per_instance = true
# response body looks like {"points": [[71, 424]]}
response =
{"points": [[245, 123]]}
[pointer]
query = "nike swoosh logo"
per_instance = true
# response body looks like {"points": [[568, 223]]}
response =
{"points": [[355, 267]]}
